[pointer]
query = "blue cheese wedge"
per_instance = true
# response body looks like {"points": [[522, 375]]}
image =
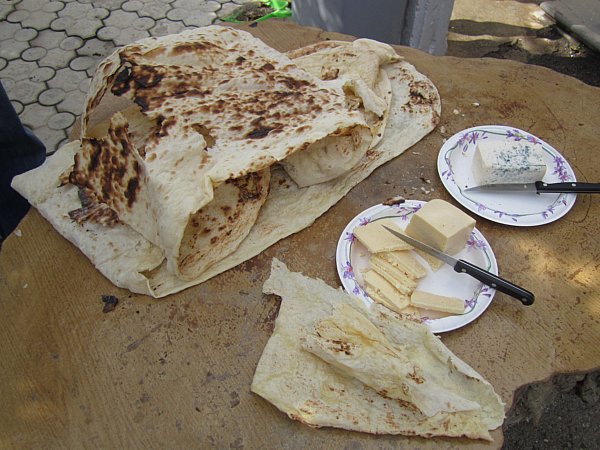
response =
{"points": [[434, 302], [507, 162], [377, 239], [442, 226]]}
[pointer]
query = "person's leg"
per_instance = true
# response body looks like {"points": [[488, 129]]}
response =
{"points": [[20, 151]]}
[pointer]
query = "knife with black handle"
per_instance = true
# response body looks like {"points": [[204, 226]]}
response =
{"points": [[540, 187], [462, 266], [494, 281], [572, 186]]}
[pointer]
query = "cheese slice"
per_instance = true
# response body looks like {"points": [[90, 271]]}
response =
{"points": [[383, 292], [412, 311], [405, 262], [441, 225], [396, 277], [433, 262], [378, 298], [427, 300], [508, 162], [377, 239]]}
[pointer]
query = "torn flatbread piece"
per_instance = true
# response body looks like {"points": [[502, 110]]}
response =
{"points": [[333, 361]]}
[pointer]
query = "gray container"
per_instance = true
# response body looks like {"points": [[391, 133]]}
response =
{"points": [[421, 24]]}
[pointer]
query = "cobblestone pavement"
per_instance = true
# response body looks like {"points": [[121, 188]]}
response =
{"points": [[50, 49]]}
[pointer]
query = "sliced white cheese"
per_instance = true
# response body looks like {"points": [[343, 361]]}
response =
{"points": [[383, 292], [397, 278], [441, 225], [412, 311], [405, 262], [508, 162], [377, 297], [427, 300], [433, 262], [377, 239]]}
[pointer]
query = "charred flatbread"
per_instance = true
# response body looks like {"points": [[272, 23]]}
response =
{"points": [[148, 262], [215, 109]]}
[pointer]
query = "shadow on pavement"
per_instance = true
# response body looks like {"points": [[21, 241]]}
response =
{"points": [[554, 49]]}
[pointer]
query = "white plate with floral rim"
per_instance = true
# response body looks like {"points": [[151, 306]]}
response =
{"points": [[524, 209], [352, 259]]}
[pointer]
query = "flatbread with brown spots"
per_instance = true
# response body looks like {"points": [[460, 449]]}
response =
{"points": [[170, 183], [216, 108], [334, 362]]}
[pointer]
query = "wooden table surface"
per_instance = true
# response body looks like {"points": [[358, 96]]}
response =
{"points": [[176, 372]]}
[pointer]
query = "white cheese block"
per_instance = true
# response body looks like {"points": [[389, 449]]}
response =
{"points": [[378, 239], [441, 225], [427, 300], [508, 162]]}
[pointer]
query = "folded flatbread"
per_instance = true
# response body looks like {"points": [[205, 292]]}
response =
{"points": [[189, 168], [176, 202], [359, 65], [333, 361]]}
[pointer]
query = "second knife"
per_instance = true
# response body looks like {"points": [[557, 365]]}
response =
{"points": [[539, 187]]}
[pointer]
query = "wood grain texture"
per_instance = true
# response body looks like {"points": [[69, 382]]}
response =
{"points": [[176, 372]]}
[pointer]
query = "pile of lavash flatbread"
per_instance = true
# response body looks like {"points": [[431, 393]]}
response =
{"points": [[333, 361], [201, 149]]}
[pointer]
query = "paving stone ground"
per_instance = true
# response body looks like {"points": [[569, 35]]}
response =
{"points": [[50, 49]]}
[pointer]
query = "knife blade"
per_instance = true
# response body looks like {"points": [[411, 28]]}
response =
{"points": [[539, 187], [462, 266]]}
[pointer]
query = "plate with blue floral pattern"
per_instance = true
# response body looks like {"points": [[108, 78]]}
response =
{"points": [[352, 260], [522, 209]]}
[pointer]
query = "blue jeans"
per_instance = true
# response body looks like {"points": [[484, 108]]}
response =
{"points": [[20, 151]]}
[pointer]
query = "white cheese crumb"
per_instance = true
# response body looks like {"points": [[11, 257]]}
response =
{"points": [[443, 129], [25, 285], [475, 104], [456, 111], [18, 232]]}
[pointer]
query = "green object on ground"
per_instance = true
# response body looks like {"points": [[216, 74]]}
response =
{"points": [[281, 9]]}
